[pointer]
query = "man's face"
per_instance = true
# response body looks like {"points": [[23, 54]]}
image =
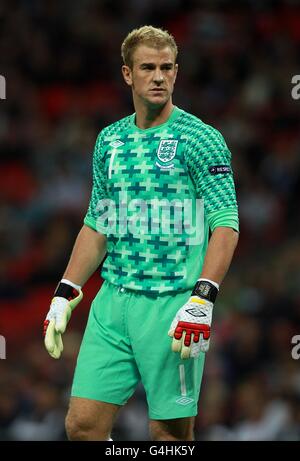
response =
{"points": [[153, 75]]}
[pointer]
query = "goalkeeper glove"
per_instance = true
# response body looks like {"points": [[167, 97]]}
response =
{"points": [[190, 328], [66, 298]]}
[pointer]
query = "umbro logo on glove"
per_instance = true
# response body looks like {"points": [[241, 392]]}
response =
{"points": [[195, 312]]}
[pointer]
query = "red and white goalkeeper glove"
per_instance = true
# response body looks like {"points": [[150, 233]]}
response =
{"points": [[66, 298], [190, 328]]}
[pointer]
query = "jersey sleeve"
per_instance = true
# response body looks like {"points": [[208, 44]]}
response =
{"points": [[99, 190], [209, 164]]}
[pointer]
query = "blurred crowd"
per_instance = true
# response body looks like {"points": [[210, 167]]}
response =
{"points": [[61, 61]]}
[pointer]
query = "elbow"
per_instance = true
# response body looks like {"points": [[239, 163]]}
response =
{"points": [[229, 236], [235, 237]]}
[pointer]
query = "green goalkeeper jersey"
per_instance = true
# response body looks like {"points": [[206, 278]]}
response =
{"points": [[156, 193]]}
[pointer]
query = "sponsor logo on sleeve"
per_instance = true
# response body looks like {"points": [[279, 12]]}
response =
{"points": [[219, 169]]}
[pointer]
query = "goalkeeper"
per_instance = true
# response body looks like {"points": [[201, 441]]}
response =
{"points": [[151, 320]]}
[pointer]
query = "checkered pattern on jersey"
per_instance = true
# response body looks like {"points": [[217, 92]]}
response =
{"points": [[129, 171]]}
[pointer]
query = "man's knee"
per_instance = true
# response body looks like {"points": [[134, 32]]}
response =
{"points": [[172, 429], [89, 419], [85, 428]]}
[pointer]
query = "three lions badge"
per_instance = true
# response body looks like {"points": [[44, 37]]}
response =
{"points": [[165, 153]]}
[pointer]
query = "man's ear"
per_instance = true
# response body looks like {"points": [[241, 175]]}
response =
{"points": [[176, 70], [127, 75]]}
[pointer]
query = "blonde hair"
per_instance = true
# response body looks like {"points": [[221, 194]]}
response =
{"points": [[146, 35]]}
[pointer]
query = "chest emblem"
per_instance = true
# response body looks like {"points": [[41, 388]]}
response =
{"points": [[165, 153]]}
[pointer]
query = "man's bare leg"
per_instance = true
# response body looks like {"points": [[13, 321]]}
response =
{"points": [[172, 429], [90, 419]]}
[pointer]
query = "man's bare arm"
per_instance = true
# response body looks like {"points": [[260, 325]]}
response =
{"points": [[88, 253], [219, 253]]}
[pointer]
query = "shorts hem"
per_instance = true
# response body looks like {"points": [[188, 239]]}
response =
{"points": [[98, 398], [186, 414]]}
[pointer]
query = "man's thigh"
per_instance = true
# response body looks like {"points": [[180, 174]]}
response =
{"points": [[172, 429]]}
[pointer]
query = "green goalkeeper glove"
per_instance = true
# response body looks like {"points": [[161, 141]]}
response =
{"points": [[65, 299]]}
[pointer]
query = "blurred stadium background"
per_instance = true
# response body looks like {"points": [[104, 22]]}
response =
{"points": [[61, 61]]}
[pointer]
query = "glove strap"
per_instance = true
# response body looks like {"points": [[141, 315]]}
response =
{"points": [[66, 291], [206, 290]]}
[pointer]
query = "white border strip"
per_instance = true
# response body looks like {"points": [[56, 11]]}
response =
{"points": [[182, 380]]}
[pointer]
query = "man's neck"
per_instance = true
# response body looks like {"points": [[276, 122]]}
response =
{"points": [[148, 117]]}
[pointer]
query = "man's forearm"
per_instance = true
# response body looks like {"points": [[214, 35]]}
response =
{"points": [[88, 253], [219, 254]]}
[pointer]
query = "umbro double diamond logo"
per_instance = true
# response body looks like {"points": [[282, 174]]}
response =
{"points": [[195, 312], [116, 143], [184, 400]]}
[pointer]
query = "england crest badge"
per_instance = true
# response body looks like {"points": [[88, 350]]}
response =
{"points": [[166, 152]]}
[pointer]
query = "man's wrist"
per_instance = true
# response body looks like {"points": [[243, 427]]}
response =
{"points": [[67, 289], [206, 289], [210, 281], [72, 284]]}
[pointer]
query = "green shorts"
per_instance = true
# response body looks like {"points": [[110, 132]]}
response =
{"points": [[126, 341]]}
